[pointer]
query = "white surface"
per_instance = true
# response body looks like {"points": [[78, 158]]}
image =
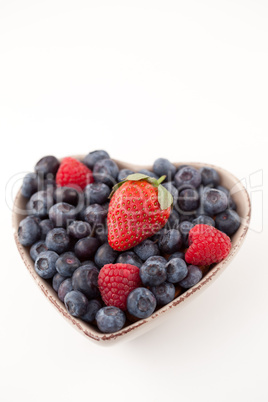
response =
{"points": [[176, 79]]}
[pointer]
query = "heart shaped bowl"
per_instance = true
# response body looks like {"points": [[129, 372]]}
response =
{"points": [[131, 330]]}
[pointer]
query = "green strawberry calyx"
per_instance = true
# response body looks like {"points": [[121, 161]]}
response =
{"points": [[165, 199]]}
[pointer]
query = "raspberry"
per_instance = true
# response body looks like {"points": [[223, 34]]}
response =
{"points": [[208, 245], [73, 173], [116, 281]]}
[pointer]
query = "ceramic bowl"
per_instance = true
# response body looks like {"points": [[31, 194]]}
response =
{"points": [[241, 198]]}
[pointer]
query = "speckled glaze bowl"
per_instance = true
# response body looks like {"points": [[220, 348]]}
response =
{"points": [[241, 198]]}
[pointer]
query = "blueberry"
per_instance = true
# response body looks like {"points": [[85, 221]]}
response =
{"points": [[79, 229], [210, 177], [101, 233], [153, 271], [67, 263], [214, 201], [162, 167], [129, 257], [76, 303], [110, 319], [148, 173], [93, 307], [188, 199], [85, 279], [64, 288], [70, 196], [29, 231], [95, 214], [193, 277], [123, 173], [228, 222], [185, 228], [205, 220], [146, 249], [62, 213], [85, 248], [173, 220], [29, 185], [170, 242], [40, 203], [45, 264], [57, 280], [45, 225], [173, 191], [231, 203], [178, 254], [96, 193], [48, 164], [89, 263], [106, 171], [105, 255], [141, 302], [37, 248], [176, 270], [187, 177], [57, 240], [164, 293], [94, 157]]}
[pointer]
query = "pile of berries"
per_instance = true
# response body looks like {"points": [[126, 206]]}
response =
{"points": [[116, 245]]}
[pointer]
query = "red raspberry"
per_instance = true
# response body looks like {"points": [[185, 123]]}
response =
{"points": [[116, 281], [73, 173], [208, 245]]}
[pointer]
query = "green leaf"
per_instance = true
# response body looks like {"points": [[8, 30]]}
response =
{"points": [[136, 177], [165, 199]]}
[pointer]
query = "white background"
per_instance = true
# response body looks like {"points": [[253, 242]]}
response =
{"points": [[185, 80]]}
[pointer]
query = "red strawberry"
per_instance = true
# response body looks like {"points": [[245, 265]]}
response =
{"points": [[208, 245], [73, 173], [140, 207], [116, 281]]}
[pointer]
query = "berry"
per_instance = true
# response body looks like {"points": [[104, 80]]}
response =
{"points": [[210, 177], [40, 203], [164, 293], [67, 263], [105, 255], [147, 172], [106, 171], [29, 185], [187, 177], [62, 213], [70, 196], [227, 221], [96, 193], [173, 220], [214, 201], [129, 257], [29, 231], [176, 270], [178, 254], [101, 232], [93, 307], [57, 240], [45, 264], [231, 203], [64, 288], [57, 280], [204, 219], [141, 303], [110, 319], [170, 241], [123, 173], [73, 173], [45, 225], [37, 248], [79, 229], [85, 279], [173, 191], [47, 165], [188, 199], [94, 157], [146, 249], [193, 277], [185, 228], [85, 248], [116, 281], [208, 245], [95, 214], [153, 271], [162, 167], [76, 303]]}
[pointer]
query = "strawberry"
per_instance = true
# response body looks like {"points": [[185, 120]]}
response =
{"points": [[73, 173], [139, 207]]}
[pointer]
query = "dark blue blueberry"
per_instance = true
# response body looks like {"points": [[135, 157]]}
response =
{"points": [[48, 164], [101, 232], [85, 279], [106, 171], [188, 199], [29, 185], [85, 248], [96, 193], [173, 191], [204, 219], [45, 225], [95, 214], [65, 287], [185, 228], [153, 271], [57, 280], [37, 248], [141, 302], [105, 255], [146, 249], [170, 242], [67, 263], [163, 167], [173, 220], [62, 214], [228, 222], [90, 263], [148, 173], [164, 293], [29, 231], [210, 177], [76, 303], [110, 319], [123, 173], [69, 195], [94, 157], [214, 201], [92, 308], [45, 264], [231, 203], [178, 254], [58, 240], [187, 177], [176, 270], [193, 277], [40, 203], [129, 257], [79, 229]]}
